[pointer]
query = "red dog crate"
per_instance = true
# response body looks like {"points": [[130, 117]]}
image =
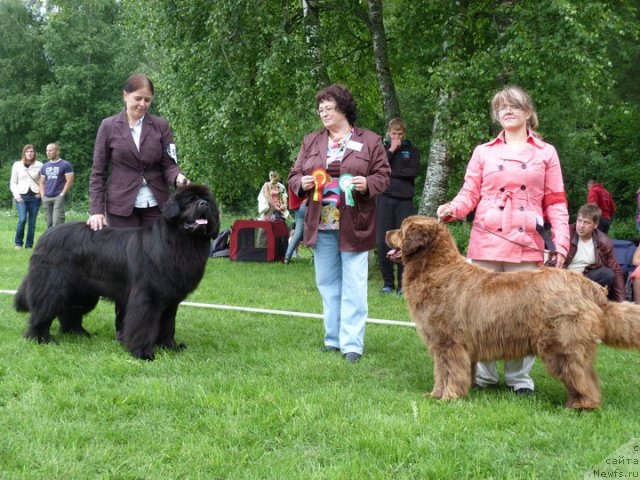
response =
{"points": [[258, 240]]}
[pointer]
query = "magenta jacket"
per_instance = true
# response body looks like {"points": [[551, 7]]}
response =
{"points": [[119, 168], [511, 193], [357, 224]]}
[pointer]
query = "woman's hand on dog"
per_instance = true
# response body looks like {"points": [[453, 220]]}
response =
{"points": [[555, 260], [444, 211], [182, 181], [97, 222]]}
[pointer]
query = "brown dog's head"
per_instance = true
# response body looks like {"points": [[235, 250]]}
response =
{"points": [[416, 233]]}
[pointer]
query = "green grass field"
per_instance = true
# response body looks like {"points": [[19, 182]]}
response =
{"points": [[253, 397]]}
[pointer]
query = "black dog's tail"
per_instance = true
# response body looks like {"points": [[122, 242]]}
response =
{"points": [[20, 302]]}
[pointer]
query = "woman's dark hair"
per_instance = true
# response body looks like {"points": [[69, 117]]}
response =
{"points": [[342, 96], [136, 82]]}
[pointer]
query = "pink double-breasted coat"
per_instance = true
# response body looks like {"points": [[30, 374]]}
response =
{"points": [[512, 192]]}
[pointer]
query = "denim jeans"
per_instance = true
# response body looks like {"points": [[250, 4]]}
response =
{"points": [[27, 215], [341, 278], [297, 233]]}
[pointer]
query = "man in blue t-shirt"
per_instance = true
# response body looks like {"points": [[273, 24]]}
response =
{"points": [[56, 179]]}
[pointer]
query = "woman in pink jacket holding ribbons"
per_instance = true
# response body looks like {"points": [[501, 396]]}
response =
{"points": [[514, 182]]}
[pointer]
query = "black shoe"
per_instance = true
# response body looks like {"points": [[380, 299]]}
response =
{"points": [[523, 392], [386, 290], [400, 292], [286, 260], [352, 357], [330, 348]]}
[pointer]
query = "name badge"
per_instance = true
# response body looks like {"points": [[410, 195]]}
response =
{"points": [[353, 145], [171, 151]]}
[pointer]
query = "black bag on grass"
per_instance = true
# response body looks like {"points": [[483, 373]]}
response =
{"points": [[220, 246]]}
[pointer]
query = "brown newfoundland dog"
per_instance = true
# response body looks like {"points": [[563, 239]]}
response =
{"points": [[146, 271], [465, 313]]}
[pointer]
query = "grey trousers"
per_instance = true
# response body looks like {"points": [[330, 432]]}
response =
{"points": [[516, 371], [54, 208]]}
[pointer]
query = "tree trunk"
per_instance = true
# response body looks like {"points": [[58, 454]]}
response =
{"points": [[437, 176], [383, 71], [312, 34]]}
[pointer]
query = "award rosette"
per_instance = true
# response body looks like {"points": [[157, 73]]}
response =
{"points": [[321, 178], [344, 182]]}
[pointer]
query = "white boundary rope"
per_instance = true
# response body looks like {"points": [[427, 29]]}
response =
{"points": [[270, 312]]}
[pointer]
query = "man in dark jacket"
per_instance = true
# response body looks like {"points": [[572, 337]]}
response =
{"points": [[396, 203], [591, 253]]}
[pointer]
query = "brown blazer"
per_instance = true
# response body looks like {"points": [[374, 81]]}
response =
{"points": [[357, 224], [119, 168]]}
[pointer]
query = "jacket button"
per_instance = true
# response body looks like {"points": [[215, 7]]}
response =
{"points": [[520, 229], [500, 229], [523, 166], [501, 208], [523, 187], [502, 189], [522, 209], [501, 167]]}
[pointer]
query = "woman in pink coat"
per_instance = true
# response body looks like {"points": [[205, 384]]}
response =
{"points": [[514, 183]]}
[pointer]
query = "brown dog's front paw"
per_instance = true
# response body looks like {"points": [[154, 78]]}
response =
{"points": [[435, 393], [449, 397], [583, 405]]}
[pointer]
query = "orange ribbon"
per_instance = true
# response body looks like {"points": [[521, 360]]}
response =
{"points": [[321, 178]]}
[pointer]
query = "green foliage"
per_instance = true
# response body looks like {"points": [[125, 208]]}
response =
{"points": [[23, 71], [61, 77], [236, 79], [569, 56], [241, 93], [83, 46]]}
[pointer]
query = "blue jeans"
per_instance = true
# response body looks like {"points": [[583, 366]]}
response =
{"points": [[27, 215], [297, 233], [341, 278]]}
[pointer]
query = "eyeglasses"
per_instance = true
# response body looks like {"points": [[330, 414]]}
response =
{"points": [[511, 108], [322, 110]]}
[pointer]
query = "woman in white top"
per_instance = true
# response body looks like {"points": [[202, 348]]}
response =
{"points": [[25, 175]]}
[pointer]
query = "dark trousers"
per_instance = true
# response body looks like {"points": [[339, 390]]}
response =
{"points": [[390, 212], [140, 217], [603, 276], [604, 224]]}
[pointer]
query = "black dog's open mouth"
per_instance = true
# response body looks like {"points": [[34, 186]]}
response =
{"points": [[198, 223]]}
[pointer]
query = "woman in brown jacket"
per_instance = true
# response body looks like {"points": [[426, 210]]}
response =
{"points": [[341, 169], [134, 162]]}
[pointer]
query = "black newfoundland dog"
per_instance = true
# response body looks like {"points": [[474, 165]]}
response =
{"points": [[146, 271]]}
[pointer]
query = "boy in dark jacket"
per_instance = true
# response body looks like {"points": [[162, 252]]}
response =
{"points": [[396, 203]]}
